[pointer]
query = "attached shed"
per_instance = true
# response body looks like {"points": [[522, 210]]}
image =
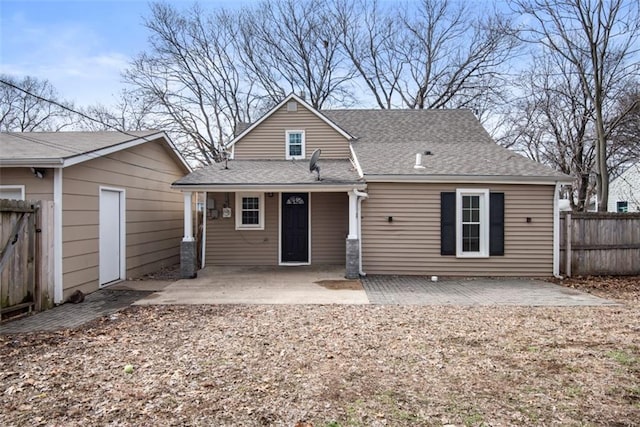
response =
{"points": [[115, 214]]}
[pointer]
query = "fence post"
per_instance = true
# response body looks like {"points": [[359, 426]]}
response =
{"points": [[31, 256], [568, 226], [46, 258]]}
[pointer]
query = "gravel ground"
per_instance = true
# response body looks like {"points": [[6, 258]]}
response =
{"points": [[332, 366]]}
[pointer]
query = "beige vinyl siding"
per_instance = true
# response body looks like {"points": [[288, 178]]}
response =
{"points": [[411, 243], [34, 187], [227, 246], [329, 227], [154, 213], [267, 140]]}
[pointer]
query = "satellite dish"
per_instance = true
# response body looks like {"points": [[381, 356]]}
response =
{"points": [[313, 163]]}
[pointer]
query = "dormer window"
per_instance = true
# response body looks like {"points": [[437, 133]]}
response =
{"points": [[295, 144]]}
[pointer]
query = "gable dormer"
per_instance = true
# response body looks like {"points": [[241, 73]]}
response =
{"points": [[292, 130]]}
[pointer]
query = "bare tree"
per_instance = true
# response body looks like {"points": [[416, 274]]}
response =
{"points": [[551, 123], [26, 105], [454, 60], [436, 54], [131, 113], [293, 46], [192, 79], [599, 39], [624, 146], [369, 36]]}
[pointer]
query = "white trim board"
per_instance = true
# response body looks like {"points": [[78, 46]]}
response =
{"points": [[58, 285], [271, 188]]}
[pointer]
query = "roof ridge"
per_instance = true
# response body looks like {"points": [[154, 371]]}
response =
{"points": [[417, 110]]}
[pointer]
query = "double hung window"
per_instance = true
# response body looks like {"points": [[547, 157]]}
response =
{"points": [[250, 211], [294, 144], [472, 223]]}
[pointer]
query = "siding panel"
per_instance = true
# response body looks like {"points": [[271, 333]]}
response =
{"points": [[267, 141], [411, 243], [35, 188], [154, 213], [329, 227], [228, 246]]}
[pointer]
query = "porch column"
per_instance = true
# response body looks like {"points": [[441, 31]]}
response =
{"points": [[353, 215], [188, 218], [352, 266], [188, 249]]}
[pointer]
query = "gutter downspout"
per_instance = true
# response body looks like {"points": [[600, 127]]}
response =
{"points": [[58, 287], [204, 228], [361, 196], [556, 232]]}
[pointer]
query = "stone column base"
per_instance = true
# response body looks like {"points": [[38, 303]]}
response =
{"points": [[188, 260], [352, 266]]}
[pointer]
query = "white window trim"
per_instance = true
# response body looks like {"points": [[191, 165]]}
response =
{"points": [[15, 187], [286, 145], [484, 222], [239, 225]]}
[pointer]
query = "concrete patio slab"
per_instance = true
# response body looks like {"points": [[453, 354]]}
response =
{"points": [[262, 285], [302, 285], [420, 290]]}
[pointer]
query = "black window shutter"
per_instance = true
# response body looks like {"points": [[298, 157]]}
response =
{"points": [[496, 224], [447, 223]]}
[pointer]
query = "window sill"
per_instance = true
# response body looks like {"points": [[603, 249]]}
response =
{"points": [[472, 255], [249, 228]]}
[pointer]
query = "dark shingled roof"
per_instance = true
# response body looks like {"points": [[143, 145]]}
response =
{"points": [[388, 140], [273, 172], [19, 146]]}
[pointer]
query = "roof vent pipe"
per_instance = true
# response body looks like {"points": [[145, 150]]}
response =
{"points": [[418, 161]]}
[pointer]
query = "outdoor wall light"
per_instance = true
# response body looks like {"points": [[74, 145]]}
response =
{"points": [[39, 173]]}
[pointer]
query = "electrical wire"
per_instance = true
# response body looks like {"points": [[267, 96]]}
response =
{"points": [[81, 114], [65, 107], [77, 152]]}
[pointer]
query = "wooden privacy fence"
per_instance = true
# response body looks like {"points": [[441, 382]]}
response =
{"points": [[26, 256], [600, 244]]}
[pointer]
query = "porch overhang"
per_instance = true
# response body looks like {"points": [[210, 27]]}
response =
{"points": [[271, 188], [273, 176]]}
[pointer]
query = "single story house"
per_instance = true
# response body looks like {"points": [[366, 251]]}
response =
{"points": [[114, 212], [423, 192], [624, 191]]}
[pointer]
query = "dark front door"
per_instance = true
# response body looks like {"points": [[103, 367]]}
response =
{"points": [[295, 227]]}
